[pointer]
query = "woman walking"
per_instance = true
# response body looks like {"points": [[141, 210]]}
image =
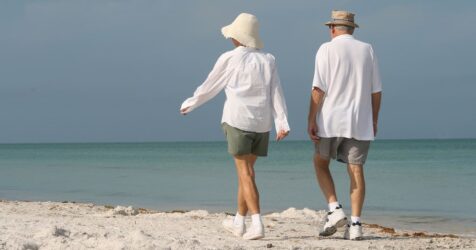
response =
{"points": [[254, 97]]}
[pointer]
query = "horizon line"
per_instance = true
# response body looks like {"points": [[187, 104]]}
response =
{"points": [[211, 141]]}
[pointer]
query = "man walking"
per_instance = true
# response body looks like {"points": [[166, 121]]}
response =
{"points": [[345, 100]]}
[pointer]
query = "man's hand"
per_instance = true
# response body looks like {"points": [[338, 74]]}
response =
{"points": [[317, 97], [184, 111], [281, 135], [312, 130], [376, 99]]}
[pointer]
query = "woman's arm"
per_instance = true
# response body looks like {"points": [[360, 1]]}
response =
{"points": [[279, 108], [215, 82]]}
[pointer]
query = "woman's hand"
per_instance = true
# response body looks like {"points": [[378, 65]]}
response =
{"points": [[281, 135], [184, 111]]}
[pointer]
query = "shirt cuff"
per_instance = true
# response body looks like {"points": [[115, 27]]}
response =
{"points": [[189, 104], [281, 124], [376, 90], [319, 86]]}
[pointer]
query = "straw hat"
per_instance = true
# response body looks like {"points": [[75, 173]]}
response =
{"points": [[245, 29], [340, 17]]}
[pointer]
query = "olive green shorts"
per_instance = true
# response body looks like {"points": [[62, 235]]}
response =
{"points": [[242, 142]]}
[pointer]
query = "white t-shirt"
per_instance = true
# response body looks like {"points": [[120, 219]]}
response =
{"points": [[254, 96], [346, 70]]}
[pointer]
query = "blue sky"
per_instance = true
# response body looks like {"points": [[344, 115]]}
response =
{"points": [[117, 71]]}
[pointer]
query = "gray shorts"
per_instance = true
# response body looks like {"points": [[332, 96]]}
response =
{"points": [[345, 150], [243, 142]]}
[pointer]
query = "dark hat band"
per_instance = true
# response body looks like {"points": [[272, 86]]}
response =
{"points": [[347, 20]]}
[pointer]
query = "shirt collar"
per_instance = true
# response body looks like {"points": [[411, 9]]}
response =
{"points": [[243, 48], [343, 36]]}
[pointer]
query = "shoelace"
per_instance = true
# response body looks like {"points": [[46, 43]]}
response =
{"points": [[339, 207], [356, 223]]}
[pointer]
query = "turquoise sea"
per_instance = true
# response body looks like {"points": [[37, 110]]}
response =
{"points": [[411, 184]]}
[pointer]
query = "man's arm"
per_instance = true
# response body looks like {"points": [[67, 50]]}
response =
{"points": [[317, 97], [376, 100]]}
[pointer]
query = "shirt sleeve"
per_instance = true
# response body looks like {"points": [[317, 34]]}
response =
{"points": [[320, 69], [376, 81], [215, 82], [278, 104]]}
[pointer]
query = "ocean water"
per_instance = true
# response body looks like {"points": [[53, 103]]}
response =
{"points": [[411, 184]]}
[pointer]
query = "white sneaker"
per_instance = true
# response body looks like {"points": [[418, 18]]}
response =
{"points": [[254, 232], [353, 231], [233, 228], [334, 220]]}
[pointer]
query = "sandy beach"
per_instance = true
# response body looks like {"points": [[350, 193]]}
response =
{"points": [[69, 225]]}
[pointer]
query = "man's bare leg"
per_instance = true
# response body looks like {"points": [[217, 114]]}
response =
{"points": [[357, 188], [336, 217], [324, 178], [357, 195]]}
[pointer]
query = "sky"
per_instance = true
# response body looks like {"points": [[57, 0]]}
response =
{"points": [[118, 71]]}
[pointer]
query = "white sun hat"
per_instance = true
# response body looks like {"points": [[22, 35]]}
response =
{"points": [[245, 29]]}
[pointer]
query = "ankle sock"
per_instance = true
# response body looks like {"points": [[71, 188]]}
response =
{"points": [[256, 219], [333, 206], [354, 219], [239, 219]]}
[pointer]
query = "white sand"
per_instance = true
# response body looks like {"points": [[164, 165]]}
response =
{"points": [[53, 225]]}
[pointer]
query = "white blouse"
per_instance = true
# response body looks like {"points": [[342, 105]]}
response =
{"points": [[253, 91]]}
